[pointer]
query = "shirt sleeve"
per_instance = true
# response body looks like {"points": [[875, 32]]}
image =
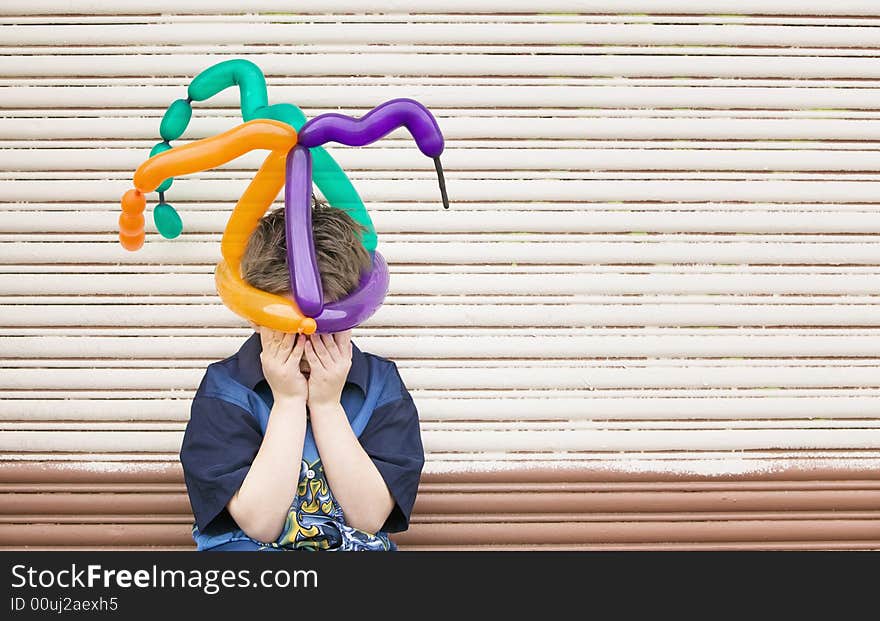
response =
{"points": [[393, 441], [219, 446]]}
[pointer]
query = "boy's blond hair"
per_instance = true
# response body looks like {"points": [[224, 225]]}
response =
{"points": [[341, 255]]}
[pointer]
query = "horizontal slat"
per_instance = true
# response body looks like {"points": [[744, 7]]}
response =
{"points": [[339, 64], [593, 344], [624, 532], [777, 7], [295, 47], [645, 396], [609, 472], [611, 159], [548, 49], [681, 280], [432, 506], [69, 37], [466, 190], [466, 375], [416, 209], [487, 221], [516, 301], [463, 315], [378, 19], [143, 125], [520, 405], [417, 176], [826, 545], [441, 96], [716, 469], [830, 251], [476, 424]]}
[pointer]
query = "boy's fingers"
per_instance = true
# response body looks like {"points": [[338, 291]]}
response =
{"points": [[285, 346], [265, 339], [320, 350], [330, 345], [345, 345], [320, 345], [274, 342], [311, 356], [300, 342], [296, 352], [342, 339]]}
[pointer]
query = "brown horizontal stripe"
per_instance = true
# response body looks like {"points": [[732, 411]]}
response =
{"points": [[86, 488], [445, 505], [720, 547], [481, 518], [648, 532], [527, 518], [487, 488], [144, 505], [97, 519], [602, 471], [647, 486], [78, 471], [615, 471], [62, 503], [106, 534], [188, 548], [733, 499], [465, 535], [734, 546]]}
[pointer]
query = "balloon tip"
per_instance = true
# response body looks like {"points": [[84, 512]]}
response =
{"points": [[131, 243], [442, 181]]}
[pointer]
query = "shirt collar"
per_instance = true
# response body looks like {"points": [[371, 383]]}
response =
{"points": [[250, 370]]}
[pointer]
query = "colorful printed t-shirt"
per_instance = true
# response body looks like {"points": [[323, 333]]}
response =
{"points": [[228, 419]]}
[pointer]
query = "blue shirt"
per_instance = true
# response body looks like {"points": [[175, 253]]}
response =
{"points": [[227, 422]]}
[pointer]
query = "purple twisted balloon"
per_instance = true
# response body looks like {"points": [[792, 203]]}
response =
{"points": [[305, 279], [302, 262], [360, 304], [376, 124]]}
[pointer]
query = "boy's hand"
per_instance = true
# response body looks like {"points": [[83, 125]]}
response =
{"points": [[280, 359], [329, 356]]}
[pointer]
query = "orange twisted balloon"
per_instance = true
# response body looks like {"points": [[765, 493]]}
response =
{"points": [[266, 309]]}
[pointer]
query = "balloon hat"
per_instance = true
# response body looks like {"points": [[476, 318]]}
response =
{"points": [[296, 158]]}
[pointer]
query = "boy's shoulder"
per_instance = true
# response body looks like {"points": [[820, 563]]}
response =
{"points": [[383, 374], [373, 359], [242, 368]]}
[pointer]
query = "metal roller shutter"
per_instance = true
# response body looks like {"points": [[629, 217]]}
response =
{"points": [[648, 320]]}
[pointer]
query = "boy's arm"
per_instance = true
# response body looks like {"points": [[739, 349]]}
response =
{"points": [[353, 477], [260, 505], [356, 482]]}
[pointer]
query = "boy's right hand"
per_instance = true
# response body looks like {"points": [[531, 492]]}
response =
{"points": [[280, 359]]}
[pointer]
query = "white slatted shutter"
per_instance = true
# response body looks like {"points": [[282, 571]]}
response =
{"points": [[661, 254]]}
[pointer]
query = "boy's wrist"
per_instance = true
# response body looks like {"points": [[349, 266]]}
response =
{"points": [[318, 408], [292, 403], [318, 401]]}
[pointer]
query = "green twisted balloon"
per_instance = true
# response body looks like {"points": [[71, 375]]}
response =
{"points": [[254, 103]]}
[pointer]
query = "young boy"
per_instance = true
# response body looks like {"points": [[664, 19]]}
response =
{"points": [[302, 442]]}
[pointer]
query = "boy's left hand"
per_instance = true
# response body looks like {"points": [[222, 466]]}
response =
{"points": [[329, 357]]}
